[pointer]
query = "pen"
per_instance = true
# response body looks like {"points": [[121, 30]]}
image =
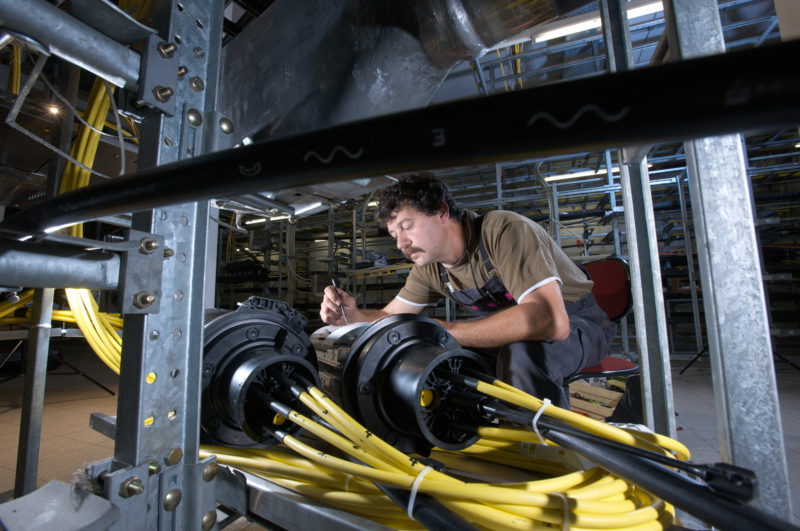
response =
{"points": [[341, 306]]}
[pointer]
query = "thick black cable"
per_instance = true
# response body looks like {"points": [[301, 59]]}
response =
{"points": [[680, 491], [721, 478], [731, 92]]}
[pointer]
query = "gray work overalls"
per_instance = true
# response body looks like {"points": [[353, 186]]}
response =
{"points": [[539, 367]]}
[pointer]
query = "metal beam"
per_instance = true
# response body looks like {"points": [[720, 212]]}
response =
{"points": [[46, 265], [740, 346], [648, 300], [30, 428], [71, 39]]}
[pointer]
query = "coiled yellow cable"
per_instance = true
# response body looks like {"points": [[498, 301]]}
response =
{"points": [[594, 499]]}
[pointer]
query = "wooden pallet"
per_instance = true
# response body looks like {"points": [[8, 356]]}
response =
{"points": [[592, 401]]}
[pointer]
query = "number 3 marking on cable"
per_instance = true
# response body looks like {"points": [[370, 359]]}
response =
{"points": [[438, 137]]}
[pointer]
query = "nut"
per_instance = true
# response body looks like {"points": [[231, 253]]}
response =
{"points": [[173, 456], [143, 299], [163, 94], [197, 84], [131, 487], [148, 245], [166, 49]]}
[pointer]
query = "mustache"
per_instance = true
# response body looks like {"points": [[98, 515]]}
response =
{"points": [[409, 250]]}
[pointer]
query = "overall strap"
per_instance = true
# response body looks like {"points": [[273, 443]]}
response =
{"points": [[482, 248]]}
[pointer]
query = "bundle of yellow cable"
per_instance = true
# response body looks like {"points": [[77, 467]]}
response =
{"points": [[98, 329], [580, 499], [8, 308]]}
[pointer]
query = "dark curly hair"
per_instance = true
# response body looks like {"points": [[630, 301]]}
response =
{"points": [[421, 191]]}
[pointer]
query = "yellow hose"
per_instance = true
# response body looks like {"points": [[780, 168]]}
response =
{"points": [[16, 70], [7, 308], [594, 499]]}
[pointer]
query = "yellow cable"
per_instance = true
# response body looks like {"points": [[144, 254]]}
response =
{"points": [[16, 70], [7, 308], [502, 70]]}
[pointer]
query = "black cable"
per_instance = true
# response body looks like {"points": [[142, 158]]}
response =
{"points": [[672, 487], [724, 479]]}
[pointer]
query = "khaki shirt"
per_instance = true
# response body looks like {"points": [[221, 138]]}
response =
{"points": [[522, 253]]}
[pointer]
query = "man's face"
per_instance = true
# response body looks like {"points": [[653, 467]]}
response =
{"points": [[418, 235]]}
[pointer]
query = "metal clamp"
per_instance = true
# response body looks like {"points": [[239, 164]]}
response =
{"points": [[141, 271]]}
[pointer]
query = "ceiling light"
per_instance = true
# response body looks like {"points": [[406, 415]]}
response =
{"points": [[590, 21], [577, 174], [797, 145], [53, 109], [320, 241]]}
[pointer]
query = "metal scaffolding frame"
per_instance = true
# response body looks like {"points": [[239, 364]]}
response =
{"points": [[155, 462]]}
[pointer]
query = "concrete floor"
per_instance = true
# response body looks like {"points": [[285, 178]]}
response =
{"points": [[67, 443]]}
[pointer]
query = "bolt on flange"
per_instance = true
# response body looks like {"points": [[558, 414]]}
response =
{"points": [[131, 487], [143, 299]]}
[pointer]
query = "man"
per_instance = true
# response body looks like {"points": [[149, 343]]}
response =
{"points": [[537, 310]]}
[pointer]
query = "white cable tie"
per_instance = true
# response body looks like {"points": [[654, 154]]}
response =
{"points": [[347, 483], [44, 325], [414, 488], [546, 402], [566, 508]]}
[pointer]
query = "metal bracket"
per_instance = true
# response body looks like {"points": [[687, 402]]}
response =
{"points": [[158, 75], [140, 273]]}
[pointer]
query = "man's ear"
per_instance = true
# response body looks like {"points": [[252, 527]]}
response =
{"points": [[444, 212]]}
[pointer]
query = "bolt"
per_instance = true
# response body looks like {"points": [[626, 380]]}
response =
{"points": [[147, 245], [182, 71], [210, 471], [226, 125], [197, 84], [393, 337], [166, 49], [365, 388], [172, 499], [168, 253], [173, 456], [153, 468], [209, 519], [252, 332], [163, 94], [194, 117], [154, 335], [442, 338], [131, 487], [143, 299]]}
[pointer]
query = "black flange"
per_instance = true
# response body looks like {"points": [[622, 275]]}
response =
{"points": [[251, 357], [397, 382]]}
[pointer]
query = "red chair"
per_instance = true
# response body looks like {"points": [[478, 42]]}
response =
{"points": [[612, 289]]}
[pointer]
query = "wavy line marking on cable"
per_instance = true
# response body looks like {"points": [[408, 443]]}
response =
{"points": [[332, 154], [583, 110]]}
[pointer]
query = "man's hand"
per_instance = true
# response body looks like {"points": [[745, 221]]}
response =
{"points": [[330, 310]]}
